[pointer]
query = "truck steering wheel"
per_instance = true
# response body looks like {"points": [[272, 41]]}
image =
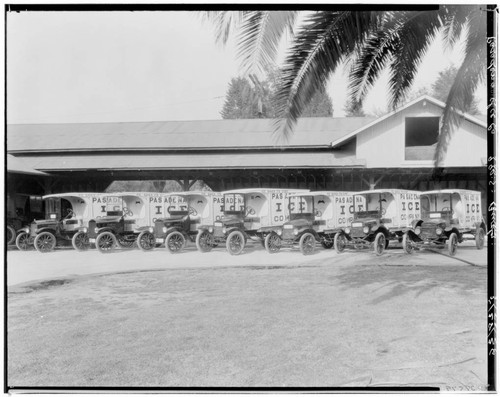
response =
{"points": [[127, 212], [250, 211]]}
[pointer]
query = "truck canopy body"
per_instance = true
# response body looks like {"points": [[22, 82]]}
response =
{"points": [[259, 207], [203, 207], [331, 209], [82, 205], [399, 207], [464, 205]]}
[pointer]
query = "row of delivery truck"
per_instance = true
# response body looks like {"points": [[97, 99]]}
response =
{"points": [[274, 218]]}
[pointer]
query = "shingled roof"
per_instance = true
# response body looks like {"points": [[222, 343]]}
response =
{"points": [[176, 135]]}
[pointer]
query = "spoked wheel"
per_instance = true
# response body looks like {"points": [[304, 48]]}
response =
{"points": [[204, 241], [380, 243], [480, 234], [10, 235], [307, 243], [235, 242], [45, 242], [175, 242], [407, 244], [23, 242], [80, 241], [272, 243], [340, 242], [124, 242], [106, 242], [146, 241], [452, 244]]}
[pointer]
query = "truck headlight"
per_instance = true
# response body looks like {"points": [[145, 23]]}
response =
{"points": [[366, 229], [210, 229], [224, 230], [279, 232], [84, 230], [417, 230], [164, 229], [374, 228], [96, 230], [295, 231], [439, 231], [347, 230], [150, 230]]}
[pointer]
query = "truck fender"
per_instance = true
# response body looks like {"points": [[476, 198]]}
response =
{"points": [[24, 229], [312, 231], [46, 229]]}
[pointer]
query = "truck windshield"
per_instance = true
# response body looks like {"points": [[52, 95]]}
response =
{"points": [[370, 205], [177, 205], [436, 205], [114, 206], [301, 205], [234, 203]]}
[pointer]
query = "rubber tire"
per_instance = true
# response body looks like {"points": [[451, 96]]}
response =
{"points": [[407, 247], [22, 242], [479, 237], [452, 244], [201, 241], [379, 248], [112, 238], [272, 243], [10, 235], [340, 242], [235, 234], [51, 242], [172, 242], [305, 245], [77, 244], [146, 241]]}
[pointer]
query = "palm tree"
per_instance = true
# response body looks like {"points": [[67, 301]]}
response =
{"points": [[373, 41]]}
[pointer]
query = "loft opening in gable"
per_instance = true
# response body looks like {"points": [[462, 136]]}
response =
{"points": [[421, 136]]}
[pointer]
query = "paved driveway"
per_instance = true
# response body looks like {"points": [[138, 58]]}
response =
{"points": [[23, 267]]}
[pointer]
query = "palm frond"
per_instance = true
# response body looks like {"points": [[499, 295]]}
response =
{"points": [[224, 22], [454, 17], [415, 36], [372, 56], [324, 41], [469, 75], [260, 35]]}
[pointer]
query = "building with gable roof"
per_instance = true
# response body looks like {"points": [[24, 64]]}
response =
{"points": [[348, 153]]}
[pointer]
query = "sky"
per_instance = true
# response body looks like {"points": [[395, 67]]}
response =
{"points": [[82, 67]]}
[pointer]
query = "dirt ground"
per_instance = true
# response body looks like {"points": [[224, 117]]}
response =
{"points": [[257, 320]]}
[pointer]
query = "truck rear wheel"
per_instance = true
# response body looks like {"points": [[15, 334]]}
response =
{"points": [[175, 242], [272, 243], [380, 243], [480, 234], [307, 243], [327, 244], [235, 242], [10, 235], [452, 244]]}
